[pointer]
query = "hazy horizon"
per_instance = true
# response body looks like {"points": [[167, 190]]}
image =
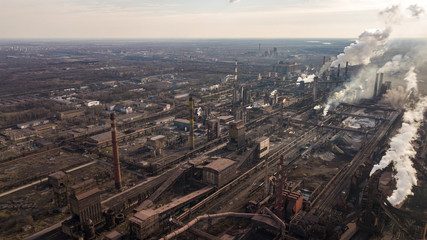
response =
{"points": [[190, 19]]}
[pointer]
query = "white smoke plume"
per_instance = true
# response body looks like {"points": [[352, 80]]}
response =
{"points": [[397, 64], [233, 1], [415, 10], [392, 14], [366, 47], [401, 152], [306, 78]]}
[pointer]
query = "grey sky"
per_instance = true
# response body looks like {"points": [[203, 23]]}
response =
{"points": [[199, 18]]}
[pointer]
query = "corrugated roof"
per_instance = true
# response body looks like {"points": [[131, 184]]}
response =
{"points": [[87, 193], [220, 164]]}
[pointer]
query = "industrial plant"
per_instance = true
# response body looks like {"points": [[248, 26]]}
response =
{"points": [[207, 140]]}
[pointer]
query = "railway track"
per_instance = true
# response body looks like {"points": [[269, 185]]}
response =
{"points": [[325, 199]]}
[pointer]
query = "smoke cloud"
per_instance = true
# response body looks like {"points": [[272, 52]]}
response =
{"points": [[306, 78], [415, 10], [401, 150], [234, 1], [366, 47]]}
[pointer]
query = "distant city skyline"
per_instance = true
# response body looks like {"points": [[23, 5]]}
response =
{"points": [[203, 19]]}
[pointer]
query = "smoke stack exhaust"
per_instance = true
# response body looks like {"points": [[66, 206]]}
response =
{"points": [[191, 137], [116, 162], [338, 71], [346, 70], [315, 88], [381, 84], [376, 86], [324, 60]]}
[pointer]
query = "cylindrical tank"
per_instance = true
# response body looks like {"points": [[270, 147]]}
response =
{"points": [[120, 218], [110, 219]]}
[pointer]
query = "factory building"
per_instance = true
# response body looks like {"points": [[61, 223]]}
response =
{"points": [[32, 123], [70, 114], [214, 129], [146, 222], [286, 68], [237, 133], [219, 172], [184, 124]]}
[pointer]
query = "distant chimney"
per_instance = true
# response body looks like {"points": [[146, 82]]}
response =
{"points": [[116, 162], [338, 71], [191, 137], [346, 71], [376, 86], [235, 70], [324, 60], [380, 85], [315, 88]]}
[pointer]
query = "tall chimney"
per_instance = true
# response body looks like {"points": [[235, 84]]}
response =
{"points": [[315, 88], [191, 138], [266, 182], [235, 70], [116, 162], [346, 71], [338, 71], [376, 86], [324, 60], [380, 85], [279, 204]]}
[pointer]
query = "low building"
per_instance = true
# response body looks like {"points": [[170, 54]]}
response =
{"points": [[44, 127], [164, 120], [123, 109], [104, 138], [70, 114], [219, 172], [184, 124], [32, 123], [18, 134], [91, 103], [165, 106]]}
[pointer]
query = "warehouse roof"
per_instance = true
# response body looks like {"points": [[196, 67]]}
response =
{"points": [[220, 164]]}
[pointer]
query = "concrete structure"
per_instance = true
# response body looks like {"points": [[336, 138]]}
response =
{"points": [[237, 133], [59, 182], [123, 109], [146, 222], [85, 202], [263, 146], [156, 144], [219, 172], [214, 129]]}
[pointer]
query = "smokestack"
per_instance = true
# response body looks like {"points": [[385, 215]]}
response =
{"points": [[346, 71], [266, 182], [338, 72], [376, 86], [324, 60], [380, 85], [279, 191], [235, 70], [315, 88], [116, 162], [191, 138]]}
